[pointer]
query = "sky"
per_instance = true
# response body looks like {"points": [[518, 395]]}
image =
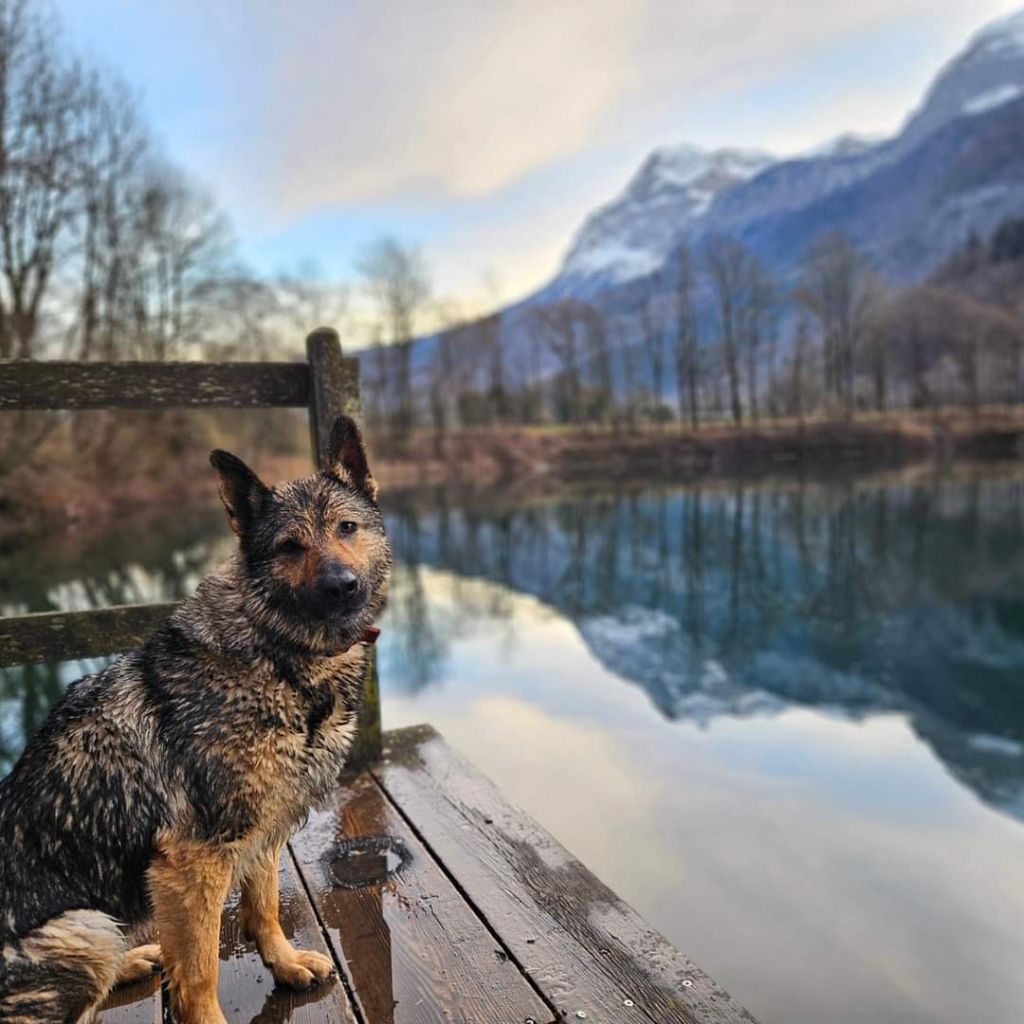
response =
{"points": [[485, 132]]}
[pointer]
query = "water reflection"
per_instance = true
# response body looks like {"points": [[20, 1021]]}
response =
{"points": [[857, 597], [784, 720], [151, 562]]}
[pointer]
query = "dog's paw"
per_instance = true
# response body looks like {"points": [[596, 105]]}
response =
{"points": [[138, 964], [305, 970]]}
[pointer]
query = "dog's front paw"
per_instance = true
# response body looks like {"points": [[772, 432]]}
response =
{"points": [[303, 970]]}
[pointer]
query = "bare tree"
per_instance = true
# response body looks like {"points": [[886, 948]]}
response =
{"points": [[396, 280], [758, 317], [443, 390], [490, 328], [40, 94], [179, 245], [624, 331], [305, 298], [728, 264], [651, 317], [876, 357], [841, 292], [801, 345], [599, 359], [110, 160], [687, 343], [560, 325]]}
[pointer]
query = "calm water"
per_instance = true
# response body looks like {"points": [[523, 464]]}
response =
{"points": [[785, 721]]}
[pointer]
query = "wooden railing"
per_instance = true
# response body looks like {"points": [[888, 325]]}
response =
{"points": [[326, 384]]}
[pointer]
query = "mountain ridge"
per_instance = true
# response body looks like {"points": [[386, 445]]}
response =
{"points": [[632, 235]]}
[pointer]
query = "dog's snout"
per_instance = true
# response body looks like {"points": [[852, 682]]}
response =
{"points": [[338, 583]]}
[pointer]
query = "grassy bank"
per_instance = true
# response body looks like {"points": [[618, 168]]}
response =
{"points": [[140, 473], [673, 453]]}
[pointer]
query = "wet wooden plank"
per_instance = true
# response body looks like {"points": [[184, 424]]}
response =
{"points": [[246, 989], [134, 1004], [583, 947], [63, 636], [413, 950], [138, 385]]}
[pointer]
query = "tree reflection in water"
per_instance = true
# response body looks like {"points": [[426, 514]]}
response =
{"points": [[857, 595]]}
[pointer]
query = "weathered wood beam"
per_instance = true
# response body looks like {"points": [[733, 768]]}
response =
{"points": [[334, 387], [65, 636], [70, 385]]}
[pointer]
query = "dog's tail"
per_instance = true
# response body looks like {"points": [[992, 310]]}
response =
{"points": [[62, 971]]}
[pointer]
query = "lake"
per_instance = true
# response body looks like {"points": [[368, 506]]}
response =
{"points": [[782, 718]]}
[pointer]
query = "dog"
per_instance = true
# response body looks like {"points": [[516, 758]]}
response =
{"points": [[156, 785]]}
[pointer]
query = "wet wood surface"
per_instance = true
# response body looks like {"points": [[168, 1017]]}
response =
{"points": [[414, 950], [587, 951], [141, 1003], [246, 988], [63, 636], [441, 903]]}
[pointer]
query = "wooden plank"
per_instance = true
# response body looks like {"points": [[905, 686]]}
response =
{"points": [[246, 988], [141, 1003], [132, 385], [582, 946], [63, 636], [413, 950], [334, 390]]}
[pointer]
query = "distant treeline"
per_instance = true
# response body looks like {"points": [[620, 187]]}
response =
{"points": [[715, 336]]}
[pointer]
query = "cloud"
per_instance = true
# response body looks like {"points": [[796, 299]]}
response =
{"points": [[457, 99], [360, 102], [486, 131]]}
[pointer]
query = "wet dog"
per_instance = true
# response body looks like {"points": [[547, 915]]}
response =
{"points": [[181, 769]]}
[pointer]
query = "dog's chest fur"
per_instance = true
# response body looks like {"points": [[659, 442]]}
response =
{"points": [[255, 749], [288, 736]]}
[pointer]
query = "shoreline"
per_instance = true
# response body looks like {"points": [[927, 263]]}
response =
{"points": [[536, 457]]}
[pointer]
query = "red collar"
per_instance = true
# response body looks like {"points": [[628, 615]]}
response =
{"points": [[369, 635]]}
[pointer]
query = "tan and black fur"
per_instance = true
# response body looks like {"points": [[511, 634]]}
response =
{"points": [[180, 770]]}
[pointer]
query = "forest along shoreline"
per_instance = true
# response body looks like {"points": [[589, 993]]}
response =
{"points": [[669, 453], [88, 503]]}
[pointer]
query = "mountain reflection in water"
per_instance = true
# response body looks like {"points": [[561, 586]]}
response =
{"points": [[856, 598]]}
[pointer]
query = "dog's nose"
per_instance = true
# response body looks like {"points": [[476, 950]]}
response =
{"points": [[338, 583]]}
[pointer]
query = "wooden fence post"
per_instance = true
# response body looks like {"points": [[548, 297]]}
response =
{"points": [[331, 391]]}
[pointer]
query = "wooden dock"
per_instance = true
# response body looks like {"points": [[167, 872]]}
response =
{"points": [[441, 903]]}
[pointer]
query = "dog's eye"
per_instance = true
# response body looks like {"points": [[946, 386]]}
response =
{"points": [[347, 528], [291, 547]]}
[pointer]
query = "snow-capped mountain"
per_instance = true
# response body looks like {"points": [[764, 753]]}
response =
{"points": [[988, 73], [633, 235], [898, 205]]}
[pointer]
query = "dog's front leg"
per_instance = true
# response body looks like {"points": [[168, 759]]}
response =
{"points": [[189, 883], [260, 906]]}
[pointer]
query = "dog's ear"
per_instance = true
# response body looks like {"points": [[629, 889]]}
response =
{"points": [[346, 457], [241, 490]]}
